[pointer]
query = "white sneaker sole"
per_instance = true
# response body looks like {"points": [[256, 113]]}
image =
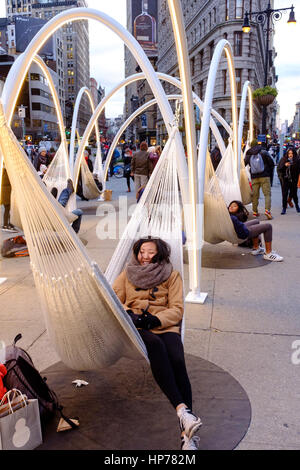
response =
{"points": [[275, 260], [196, 426]]}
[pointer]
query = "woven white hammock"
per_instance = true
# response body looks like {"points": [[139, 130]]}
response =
{"points": [[57, 175], [245, 179], [158, 214], [226, 173], [218, 226], [84, 318], [89, 187]]}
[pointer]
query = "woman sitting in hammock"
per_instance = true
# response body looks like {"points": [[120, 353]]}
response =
{"points": [[152, 294], [252, 229]]}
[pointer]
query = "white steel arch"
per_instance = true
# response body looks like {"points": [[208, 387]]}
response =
{"points": [[222, 46], [140, 110], [87, 91], [41, 64], [127, 81], [20, 68], [247, 92]]}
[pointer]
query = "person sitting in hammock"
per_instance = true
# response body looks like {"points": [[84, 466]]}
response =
{"points": [[252, 229], [63, 200], [152, 294]]}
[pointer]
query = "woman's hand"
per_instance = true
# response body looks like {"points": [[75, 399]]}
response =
{"points": [[149, 321], [145, 321]]}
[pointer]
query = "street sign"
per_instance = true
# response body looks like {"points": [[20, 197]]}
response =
{"points": [[21, 112], [261, 138]]}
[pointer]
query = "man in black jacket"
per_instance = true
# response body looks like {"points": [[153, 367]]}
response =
{"points": [[262, 179]]}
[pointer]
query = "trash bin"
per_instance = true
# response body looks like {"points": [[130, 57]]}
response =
{"points": [[108, 195]]}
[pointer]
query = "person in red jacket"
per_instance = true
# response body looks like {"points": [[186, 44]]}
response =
{"points": [[3, 372]]}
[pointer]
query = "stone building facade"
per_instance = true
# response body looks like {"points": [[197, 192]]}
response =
{"points": [[207, 22]]}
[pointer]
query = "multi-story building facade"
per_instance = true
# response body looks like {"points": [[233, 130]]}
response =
{"points": [[296, 122], [75, 58], [138, 93], [40, 120], [207, 22]]}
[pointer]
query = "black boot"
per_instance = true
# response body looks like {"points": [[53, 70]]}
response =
{"points": [[297, 208], [283, 211]]}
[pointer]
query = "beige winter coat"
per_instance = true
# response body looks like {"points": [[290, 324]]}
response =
{"points": [[167, 306]]}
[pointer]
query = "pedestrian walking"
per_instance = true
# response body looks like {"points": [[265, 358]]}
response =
{"points": [[154, 156], [140, 167], [5, 201], [41, 158], [288, 170], [127, 158], [152, 294], [261, 170]]}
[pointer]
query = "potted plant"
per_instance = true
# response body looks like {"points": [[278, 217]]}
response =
{"points": [[265, 95]]}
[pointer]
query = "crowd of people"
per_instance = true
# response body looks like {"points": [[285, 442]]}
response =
{"points": [[139, 165]]}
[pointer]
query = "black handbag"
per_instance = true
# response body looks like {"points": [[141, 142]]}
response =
{"points": [[127, 170]]}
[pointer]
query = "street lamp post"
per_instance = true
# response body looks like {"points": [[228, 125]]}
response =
{"points": [[267, 17]]}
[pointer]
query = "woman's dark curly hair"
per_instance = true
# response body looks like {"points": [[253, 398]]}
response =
{"points": [[294, 151], [242, 213], [163, 249]]}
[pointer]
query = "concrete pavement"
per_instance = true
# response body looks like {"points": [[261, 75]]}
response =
{"points": [[247, 326]]}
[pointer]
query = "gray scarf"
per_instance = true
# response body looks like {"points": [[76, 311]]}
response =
{"points": [[146, 277]]}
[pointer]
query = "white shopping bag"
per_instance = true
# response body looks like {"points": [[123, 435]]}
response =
{"points": [[21, 429]]}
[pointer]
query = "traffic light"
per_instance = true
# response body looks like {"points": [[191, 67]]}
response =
{"points": [[68, 133]]}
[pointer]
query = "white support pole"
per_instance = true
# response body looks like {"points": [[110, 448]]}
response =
{"points": [[82, 91], [220, 47], [191, 212], [140, 110], [41, 64], [247, 92]]}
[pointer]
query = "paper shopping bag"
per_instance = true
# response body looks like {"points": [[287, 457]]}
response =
{"points": [[21, 430]]}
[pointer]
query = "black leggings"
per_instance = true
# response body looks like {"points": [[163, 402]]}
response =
{"points": [[6, 215], [166, 355]]}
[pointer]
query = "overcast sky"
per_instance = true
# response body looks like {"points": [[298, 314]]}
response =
{"points": [[107, 55]]}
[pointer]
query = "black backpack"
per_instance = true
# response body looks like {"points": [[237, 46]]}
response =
{"points": [[22, 375]]}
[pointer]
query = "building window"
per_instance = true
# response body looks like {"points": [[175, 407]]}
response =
{"points": [[239, 8], [193, 66], [238, 43], [250, 45], [201, 60], [238, 73], [226, 10], [211, 50], [200, 91], [224, 79]]}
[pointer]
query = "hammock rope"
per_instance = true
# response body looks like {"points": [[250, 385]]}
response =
{"points": [[85, 320]]}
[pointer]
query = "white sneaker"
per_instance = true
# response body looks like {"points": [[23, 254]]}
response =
{"points": [[258, 251], [189, 423], [272, 256], [190, 444]]}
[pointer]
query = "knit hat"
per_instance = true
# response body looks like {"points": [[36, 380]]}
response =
{"points": [[42, 149]]}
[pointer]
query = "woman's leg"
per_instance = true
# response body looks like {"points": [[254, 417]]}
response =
{"points": [[6, 215], [175, 350], [128, 183], [161, 366], [248, 223], [285, 192], [293, 193], [266, 230]]}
